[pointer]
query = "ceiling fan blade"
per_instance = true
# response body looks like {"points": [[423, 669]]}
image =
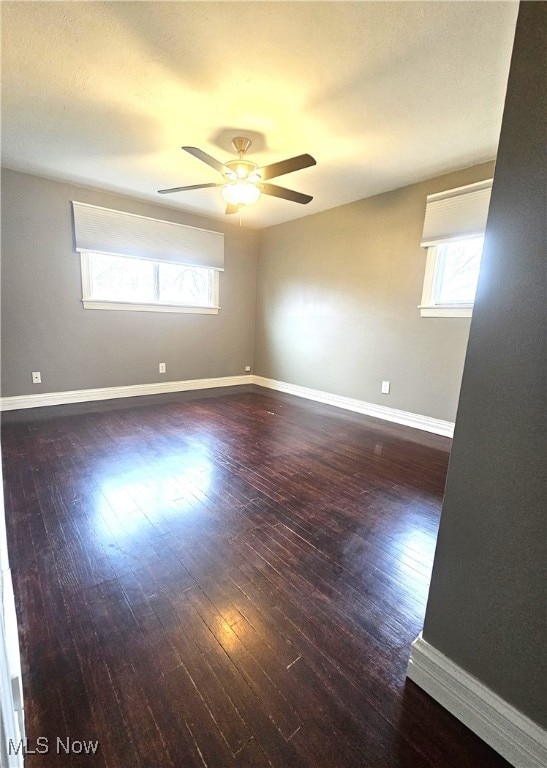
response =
{"points": [[205, 158], [286, 166], [231, 208], [286, 194], [185, 189]]}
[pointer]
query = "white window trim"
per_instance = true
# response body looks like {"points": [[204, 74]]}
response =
{"points": [[89, 303], [436, 310], [439, 310], [92, 304]]}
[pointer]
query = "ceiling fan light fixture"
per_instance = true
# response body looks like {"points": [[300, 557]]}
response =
{"points": [[240, 169], [243, 181], [240, 193]]}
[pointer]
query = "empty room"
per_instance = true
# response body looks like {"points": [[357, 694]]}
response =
{"points": [[272, 385]]}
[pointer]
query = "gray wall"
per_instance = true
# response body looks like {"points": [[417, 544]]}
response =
{"points": [[337, 304], [44, 325], [486, 605]]}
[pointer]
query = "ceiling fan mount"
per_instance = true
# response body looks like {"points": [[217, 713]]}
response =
{"points": [[241, 144], [244, 181]]}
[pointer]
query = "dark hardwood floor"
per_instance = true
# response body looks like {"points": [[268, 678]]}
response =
{"points": [[226, 580]]}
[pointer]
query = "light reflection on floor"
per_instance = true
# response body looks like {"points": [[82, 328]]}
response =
{"points": [[161, 488], [415, 560]]}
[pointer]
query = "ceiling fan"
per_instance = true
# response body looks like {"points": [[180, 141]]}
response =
{"points": [[244, 181]]}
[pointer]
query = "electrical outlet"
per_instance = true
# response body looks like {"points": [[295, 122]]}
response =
{"points": [[163, 368], [385, 387], [247, 369], [36, 377]]}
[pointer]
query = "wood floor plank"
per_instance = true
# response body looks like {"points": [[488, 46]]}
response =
{"points": [[226, 580]]}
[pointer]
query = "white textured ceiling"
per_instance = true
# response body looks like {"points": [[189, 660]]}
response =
{"points": [[382, 94]]}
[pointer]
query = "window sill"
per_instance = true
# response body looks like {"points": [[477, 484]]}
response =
{"points": [[456, 311], [131, 307]]}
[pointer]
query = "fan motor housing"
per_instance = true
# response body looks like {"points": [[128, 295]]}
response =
{"points": [[242, 169]]}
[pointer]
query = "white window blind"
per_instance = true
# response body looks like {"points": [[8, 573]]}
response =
{"points": [[102, 230], [456, 213]]}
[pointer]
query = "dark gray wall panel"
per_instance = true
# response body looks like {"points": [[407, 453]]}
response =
{"points": [[486, 608]]}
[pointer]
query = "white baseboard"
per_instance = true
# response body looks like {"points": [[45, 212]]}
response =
{"points": [[426, 423], [109, 393], [517, 738]]}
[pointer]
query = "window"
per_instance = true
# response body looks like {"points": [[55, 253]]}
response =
{"points": [[138, 263], [454, 237], [122, 282], [451, 276]]}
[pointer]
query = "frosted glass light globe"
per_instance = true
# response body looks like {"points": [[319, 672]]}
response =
{"points": [[240, 193]]}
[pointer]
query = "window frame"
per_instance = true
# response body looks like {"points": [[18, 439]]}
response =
{"points": [[106, 304], [427, 306]]}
